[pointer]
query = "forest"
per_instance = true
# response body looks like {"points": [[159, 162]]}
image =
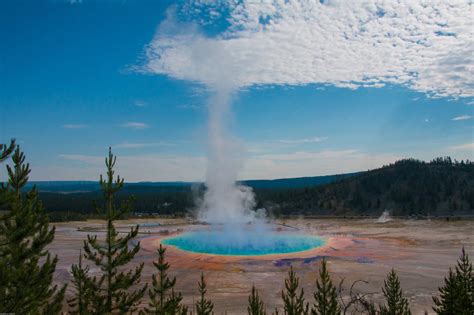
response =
{"points": [[441, 187]]}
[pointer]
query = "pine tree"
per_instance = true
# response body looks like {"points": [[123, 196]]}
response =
{"points": [[203, 305], [80, 302], [255, 306], [163, 299], [396, 303], [25, 283], [294, 303], [112, 291], [457, 294], [6, 150], [325, 295]]}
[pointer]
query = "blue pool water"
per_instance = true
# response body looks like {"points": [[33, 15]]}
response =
{"points": [[243, 244]]}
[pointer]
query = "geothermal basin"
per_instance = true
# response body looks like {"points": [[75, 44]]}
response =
{"points": [[421, 251], [246, 243]]}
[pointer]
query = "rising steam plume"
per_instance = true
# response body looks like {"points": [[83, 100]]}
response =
{"points": [[224, 201]]}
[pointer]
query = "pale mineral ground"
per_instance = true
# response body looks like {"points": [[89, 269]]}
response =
{"points": [[421, 251]]}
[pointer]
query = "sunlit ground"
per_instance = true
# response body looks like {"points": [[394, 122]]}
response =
{"points": [[421, 251]]}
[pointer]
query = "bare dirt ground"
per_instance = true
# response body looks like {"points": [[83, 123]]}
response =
{"points": [[421, 251]]}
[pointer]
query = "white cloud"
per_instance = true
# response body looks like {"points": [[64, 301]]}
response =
{"points": [[138, 145], [133, 168], [74, 126], [464, 147], [305, 140], [156, 167], [139, 103], [135, 125], [189, 106], [303, 163], [462, 117], [425, 45]]}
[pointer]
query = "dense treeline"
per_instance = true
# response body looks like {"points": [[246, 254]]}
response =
{"points": [[27, 268], [407, 187]]}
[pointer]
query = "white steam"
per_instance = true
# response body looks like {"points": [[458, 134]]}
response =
{"points": [[385, 217], [225, 201]]}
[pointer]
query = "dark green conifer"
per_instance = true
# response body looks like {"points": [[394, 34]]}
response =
{"points": [[326, 302], [80, 302], [163, 299], [6, 150], [396, 303], [294, 302], [457, 294], [203, 305], [255, 306], [113, 292], [25, 283]]}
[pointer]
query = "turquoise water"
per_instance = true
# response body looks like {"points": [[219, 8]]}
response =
{"points": [[243, 244]]}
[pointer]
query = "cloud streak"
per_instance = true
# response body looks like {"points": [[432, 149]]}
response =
{"points": [[135, 125], [424, 45], [462, 117], [158, 167], [74, 126], [303, 141], [139, 145], [464, 147]]}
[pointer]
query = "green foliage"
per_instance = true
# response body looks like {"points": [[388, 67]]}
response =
{"points": [[294, 302], [256, 306], [112, 291], [163, 299], [25, 283], [6, 150], [457, 294], [396, 303], [325, 297], [441, 187], [80, 303], [203, 305]]}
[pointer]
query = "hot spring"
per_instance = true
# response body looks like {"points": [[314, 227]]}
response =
{"points": [[250, 243]]}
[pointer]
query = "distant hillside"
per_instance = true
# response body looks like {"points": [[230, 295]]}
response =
{"points": [[152, 197], [300, 182], [407, 187], [89, 186]]}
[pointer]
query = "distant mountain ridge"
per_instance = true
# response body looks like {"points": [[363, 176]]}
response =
{"points": [[281, 183], [408, 187], [89, 186]]}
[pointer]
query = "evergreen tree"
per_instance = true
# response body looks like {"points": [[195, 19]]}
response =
{"points": [[163, 299], [457, 294], [325, 295], [294, 303], [203, 305], [255, 306], [112, 291], [6, 150], [25, 283], [396, 303], [80, 302]]}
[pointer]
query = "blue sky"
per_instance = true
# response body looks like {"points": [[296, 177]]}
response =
{"points": [[77, 77]]}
